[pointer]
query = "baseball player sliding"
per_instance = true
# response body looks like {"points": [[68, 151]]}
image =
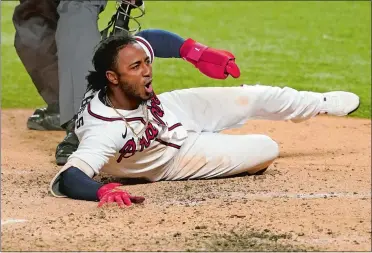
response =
{"points": [[128, 131]]}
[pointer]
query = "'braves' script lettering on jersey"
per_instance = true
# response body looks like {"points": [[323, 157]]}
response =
{"points": [[130, 147], [127, 150], [156, 111]]}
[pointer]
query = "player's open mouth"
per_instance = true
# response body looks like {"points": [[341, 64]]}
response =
{"points": [[148, 87]]}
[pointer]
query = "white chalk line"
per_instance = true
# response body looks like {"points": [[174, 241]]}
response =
{"points": [[261, 195], [11, 221], [347, 239], [17, 172]]}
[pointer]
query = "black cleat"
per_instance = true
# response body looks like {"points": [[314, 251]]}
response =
{"points": [[44, 119], [68, 146]]}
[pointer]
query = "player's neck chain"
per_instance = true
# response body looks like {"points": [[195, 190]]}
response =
{"points": [[145, 112]]}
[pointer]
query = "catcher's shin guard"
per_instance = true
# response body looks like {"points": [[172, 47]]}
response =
{"points": [[120, 20]]}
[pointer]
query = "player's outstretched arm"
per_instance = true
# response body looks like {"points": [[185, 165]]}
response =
{"points": [[75, 184], [75, 178], [214, 63]]}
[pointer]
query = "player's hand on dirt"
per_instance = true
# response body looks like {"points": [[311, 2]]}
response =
{"points": [[111, 193], [214, 63]]}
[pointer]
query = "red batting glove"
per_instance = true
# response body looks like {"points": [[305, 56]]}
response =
{"points": [[110, 193], [214, 63]]}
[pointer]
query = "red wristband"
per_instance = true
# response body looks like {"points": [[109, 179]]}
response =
{"points": [[191, 50]]}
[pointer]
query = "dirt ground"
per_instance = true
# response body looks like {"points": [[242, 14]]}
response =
{"points": [[316, 196]]}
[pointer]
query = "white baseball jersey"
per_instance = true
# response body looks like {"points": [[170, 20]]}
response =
{"points": [[108, 144]]}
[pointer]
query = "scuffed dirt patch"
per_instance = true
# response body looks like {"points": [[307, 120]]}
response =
{"points": [[316, 195], [253, 241]]}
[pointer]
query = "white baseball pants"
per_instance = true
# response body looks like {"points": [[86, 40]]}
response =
{"points": [[206, 111]]}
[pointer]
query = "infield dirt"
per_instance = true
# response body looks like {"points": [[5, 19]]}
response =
{"points": [[316, 196]]}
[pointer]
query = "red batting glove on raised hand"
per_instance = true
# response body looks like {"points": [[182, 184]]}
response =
{"points": [[110, 193], [214, 63]]}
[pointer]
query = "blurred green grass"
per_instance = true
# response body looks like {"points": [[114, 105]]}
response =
{"points": [[307, 45]]}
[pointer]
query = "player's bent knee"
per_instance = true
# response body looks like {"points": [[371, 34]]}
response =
{"points": [[260, 168], [272, 149], [271, 152]]}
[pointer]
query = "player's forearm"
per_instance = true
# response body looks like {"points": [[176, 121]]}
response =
{"points": [[165, 44], [76, 184]]}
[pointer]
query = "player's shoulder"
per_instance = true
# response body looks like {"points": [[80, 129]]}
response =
{"points": [[97, 111], [91, 128], [95, 117]]}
